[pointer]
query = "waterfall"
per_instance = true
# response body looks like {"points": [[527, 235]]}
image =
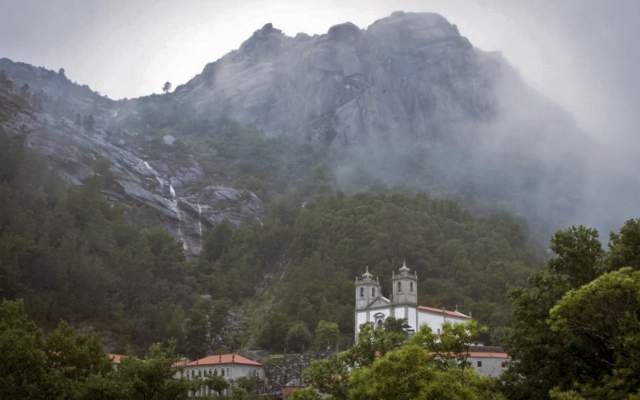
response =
{"points": [[176, 209], [199, 220]]}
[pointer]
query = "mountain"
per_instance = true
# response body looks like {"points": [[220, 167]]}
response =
{"points": [[318, 151], [405, 103]]}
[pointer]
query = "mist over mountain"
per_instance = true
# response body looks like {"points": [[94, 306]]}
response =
{"points": [[406, 103]]}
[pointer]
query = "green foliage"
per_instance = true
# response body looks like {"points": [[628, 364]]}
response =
{"points": [[197, 329], [451, 346], [386, 364], [23, 371], [327, 336], [153, 376], [575, 331], [624, 247], [316, 250], [70, 365], [71, 254], [298, 338], [599, 328], [306, 394], [216, 383]]}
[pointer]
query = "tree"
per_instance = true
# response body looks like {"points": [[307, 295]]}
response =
{"points": [[539, 358], [327, 335], [306, 394], [579, 255], [197, 329], [166, 87], [409, 372], [624, 247], [298, 337], [73, 359], [153, 376], [217, 383], [24, 373], [217, 241], [599, 328], [450, 347], [330, 375]]}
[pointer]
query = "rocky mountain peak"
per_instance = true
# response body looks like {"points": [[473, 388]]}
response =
{"points": [[413, 30], [264, 42], [346, 31]]}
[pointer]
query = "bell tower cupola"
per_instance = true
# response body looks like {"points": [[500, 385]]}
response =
{"points": [[405, 286], [367, 289]]}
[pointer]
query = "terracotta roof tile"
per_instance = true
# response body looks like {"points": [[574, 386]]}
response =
{"points": [[224, 359], [488, 354], [440, 311], [116, 358]]}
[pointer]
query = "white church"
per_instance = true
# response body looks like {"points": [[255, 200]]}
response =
{"points": [[372, 306]]}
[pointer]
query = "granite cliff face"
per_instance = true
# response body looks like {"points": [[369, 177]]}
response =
{"points": [[52, 116], [406, 94], [408, 75], [409, 86]]}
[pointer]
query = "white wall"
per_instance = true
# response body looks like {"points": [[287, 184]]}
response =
{"points": [[435, 321], [490, 366]]}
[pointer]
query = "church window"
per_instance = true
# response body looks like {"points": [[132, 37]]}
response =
{"points": [[361, 292], [411, 286], [373, 292], [222, 373], [379, 323], [399, 286], [479, 364]]}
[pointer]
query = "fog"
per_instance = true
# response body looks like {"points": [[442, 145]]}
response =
{"points": [[580, 54]]}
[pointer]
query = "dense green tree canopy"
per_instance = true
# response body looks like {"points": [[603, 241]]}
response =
{"points": [[575, 327]]}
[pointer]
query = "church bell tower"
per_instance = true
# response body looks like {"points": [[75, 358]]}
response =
{"points": [[367, 289], [405, 286]]}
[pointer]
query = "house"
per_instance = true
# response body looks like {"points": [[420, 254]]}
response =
{"points": [[488, 360], [230, 366]]}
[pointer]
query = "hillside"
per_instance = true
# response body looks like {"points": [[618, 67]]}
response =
{"points": [[72, 253], [280, 172]]}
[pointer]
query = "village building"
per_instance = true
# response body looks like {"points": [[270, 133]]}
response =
{"points": [[229, 366], [488, 360], [373, 307]]}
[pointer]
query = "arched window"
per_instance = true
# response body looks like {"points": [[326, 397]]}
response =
{"points": [[222, 373], [373, 292], [361, 292], [411, 286], [399, 286]]}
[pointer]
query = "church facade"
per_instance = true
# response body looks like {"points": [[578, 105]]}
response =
{"points": [[372, 306]]}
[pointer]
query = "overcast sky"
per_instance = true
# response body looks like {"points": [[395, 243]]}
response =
{"points": [[581, 53]]}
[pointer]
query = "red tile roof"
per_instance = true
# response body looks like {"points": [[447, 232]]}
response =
{"points": [[224, 359], [116, 358], [440, 311], [488, 354]]}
